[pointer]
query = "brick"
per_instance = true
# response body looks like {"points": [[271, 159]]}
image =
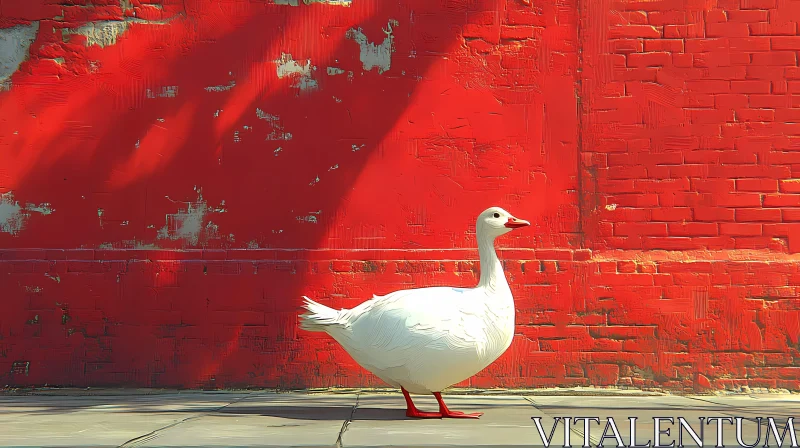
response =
{"points": [[632, 31], [740, 229], [517, 32], [713, 185], [693, 229], [525, 18], [777, 29], [671, 214], [757, 185], [754, 86], [716, 16], [758, 4], [654, 59], [713, 214], [708, 44], [731, 101], [749, 44], [747, 16], [789, 185], [640, 229], [669, 45], [709, 86], [790, 215], [786, 43], [775, 58], [758, 215], [683, 31], [782, 200], [627, 46], [755, 115], [738, 200], [727, 29], [660, 18]]}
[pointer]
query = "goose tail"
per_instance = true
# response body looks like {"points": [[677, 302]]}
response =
{"points": [[319, 317]]}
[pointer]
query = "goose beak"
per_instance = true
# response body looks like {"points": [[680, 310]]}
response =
{"points": [[513, 223]]}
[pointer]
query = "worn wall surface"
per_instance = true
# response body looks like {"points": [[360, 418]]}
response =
{"points": [[175, 174]]}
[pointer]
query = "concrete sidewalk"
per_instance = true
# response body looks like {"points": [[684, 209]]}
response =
{"points": [[143, 418]]}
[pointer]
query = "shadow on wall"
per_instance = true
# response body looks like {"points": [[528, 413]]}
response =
{"points": [[242, 124]]}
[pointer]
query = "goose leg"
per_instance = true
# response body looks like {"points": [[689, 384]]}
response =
{"points": [[413, 412], [447, 413]]}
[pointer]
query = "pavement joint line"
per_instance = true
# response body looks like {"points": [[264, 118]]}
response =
{"points": [[137, 441], [346, 424]]}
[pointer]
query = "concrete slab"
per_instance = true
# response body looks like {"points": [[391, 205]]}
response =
{"points": [[269, 419], [64, 421], [264, 420]]}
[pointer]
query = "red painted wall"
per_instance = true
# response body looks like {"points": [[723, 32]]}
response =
{"points": [[176, 174]]}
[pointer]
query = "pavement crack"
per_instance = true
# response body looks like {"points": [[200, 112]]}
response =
{"points": [[139, 440], [347, 423]]}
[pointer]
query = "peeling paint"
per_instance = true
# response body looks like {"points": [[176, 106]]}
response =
{"points": [[337, 100], [190, 224], [373, 55], [216, 114], [345, 3], [15, 43], [277, 129], [105, 33], [166, 92], [334, 167], [14, 217], [357, 147], [222, 88], [310, 218], [314, 182], [301, 74], [333, 71], [54, 278], [100, 213], [277, 151]]}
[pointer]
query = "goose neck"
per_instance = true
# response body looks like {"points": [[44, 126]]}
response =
{"points": [[492, 276]]}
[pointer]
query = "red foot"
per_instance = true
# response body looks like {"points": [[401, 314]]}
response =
{"points": [[416, 413], [413, 412], [447, 413]]}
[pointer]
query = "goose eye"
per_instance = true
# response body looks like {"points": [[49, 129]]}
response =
{"points": [[497, 215]]}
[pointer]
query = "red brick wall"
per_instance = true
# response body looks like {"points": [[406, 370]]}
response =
{"points": [[163, 237]]}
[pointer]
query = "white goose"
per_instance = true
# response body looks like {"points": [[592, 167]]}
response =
{"points": [[425, 340]]}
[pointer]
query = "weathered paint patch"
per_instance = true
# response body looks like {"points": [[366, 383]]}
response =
{"points": [[166, 92], [278, 132], [310, 218], [346, 3], [15, 43], [301, 74], [13, 216], [373, 55], [105, 33], [191, 224], [333, 71], [221, 88]]}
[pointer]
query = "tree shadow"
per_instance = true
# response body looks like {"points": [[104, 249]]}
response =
{"points": [[119, 153]]}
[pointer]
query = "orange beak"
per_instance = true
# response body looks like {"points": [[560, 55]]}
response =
{"points": [[513, 223]]}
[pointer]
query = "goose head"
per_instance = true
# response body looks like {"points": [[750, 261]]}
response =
{"points": [[495, 221]]}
